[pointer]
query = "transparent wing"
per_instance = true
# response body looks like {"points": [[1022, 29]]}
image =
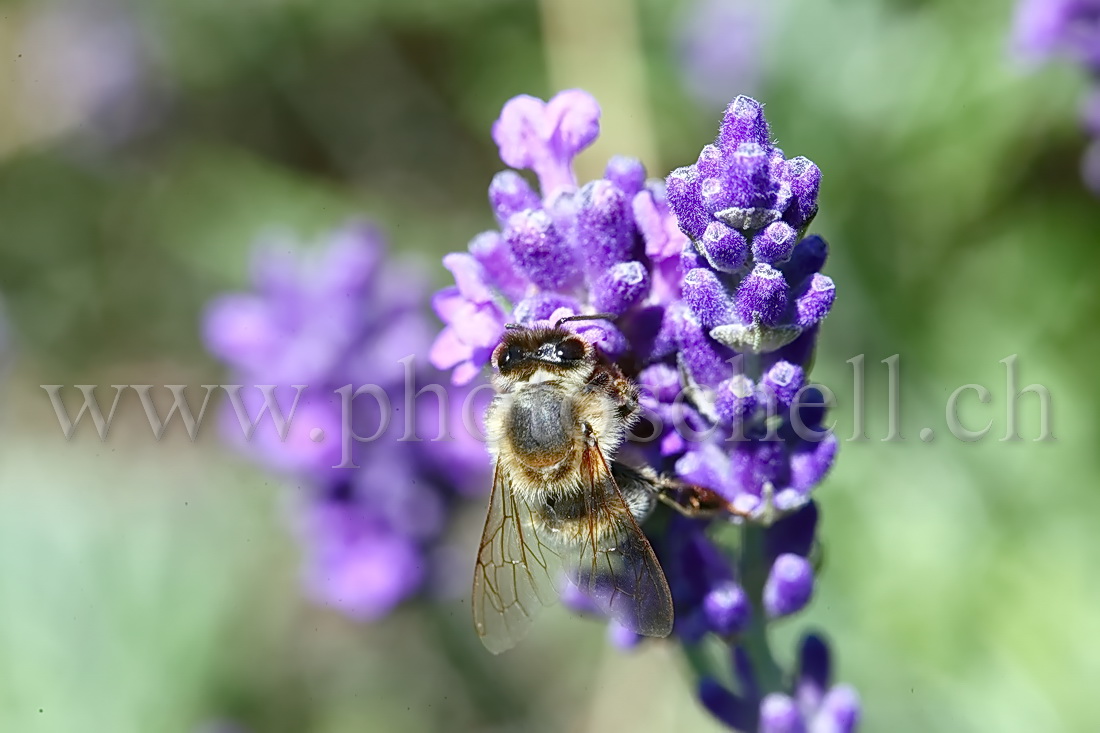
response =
{"points": [[513, 577], [613, 562]]}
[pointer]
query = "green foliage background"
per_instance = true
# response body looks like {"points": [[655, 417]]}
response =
{"points": [[152, 586]]}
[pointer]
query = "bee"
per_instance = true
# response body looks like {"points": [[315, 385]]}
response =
{"points": [[560, 499]]}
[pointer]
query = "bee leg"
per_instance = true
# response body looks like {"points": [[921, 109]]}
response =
{"points": [[693, 501]]}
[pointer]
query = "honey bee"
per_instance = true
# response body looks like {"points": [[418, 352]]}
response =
{"points": [[560, 499]]}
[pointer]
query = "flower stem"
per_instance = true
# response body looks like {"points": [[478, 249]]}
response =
{"points": [[754, 573]]}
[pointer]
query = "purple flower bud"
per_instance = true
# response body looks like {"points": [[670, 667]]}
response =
{"points": [[622, 637], [789, 586], [541, 306], [814, 672], [793, 533], [839, 711], [736, 400], [810, 462], [661, 381], [724, 248], [808, 257], [762, 295], [783, 381], [706, 465], [815, 301], [724, 705], [628, 174], [539, 251], [685, 200], [495, 257], [780, 714], [621, 287], [804, 178], [727, 608], [605, 225], [711, 163], [546, 136], [748, 178], [707, 298], [509, 193], [775, 244], [744, 122]]}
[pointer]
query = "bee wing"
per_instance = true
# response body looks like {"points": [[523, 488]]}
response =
{"points": [[614, 563], [513, 577]]}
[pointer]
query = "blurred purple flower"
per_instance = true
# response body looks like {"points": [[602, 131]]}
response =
{"points": [[720, 46], [717, 297], [1068, 29], [345, 315], [87, 67]]}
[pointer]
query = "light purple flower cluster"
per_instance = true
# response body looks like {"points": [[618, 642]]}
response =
{"points": [[319, 322], [716, 296], [1069, 29]]}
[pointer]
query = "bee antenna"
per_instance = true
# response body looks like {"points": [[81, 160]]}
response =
{"points": [[514, 326], [586, 317]]}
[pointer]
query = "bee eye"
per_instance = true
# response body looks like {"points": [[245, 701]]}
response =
{"points": [[570, 350], [510, 356]]}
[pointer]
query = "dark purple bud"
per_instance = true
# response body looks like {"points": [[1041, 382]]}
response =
{"points": [[762, 295], [789, 586], [727, 608], [794, 533], [736, 400], [605, 225], [783, 381], [707, 297], [804, 178], [808, 257], [815, 301], [780, 714], [724, 248], [684, 198], [725, 706], [628, 174], [621, 287], [814, 672], [775, 244], [539, 251], [744, 122], [509, 193]]}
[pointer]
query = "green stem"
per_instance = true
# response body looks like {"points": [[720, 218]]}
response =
{"points": [[754, 573]]}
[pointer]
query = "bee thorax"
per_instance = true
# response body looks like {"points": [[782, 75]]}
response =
{"points": [[542, 425]]}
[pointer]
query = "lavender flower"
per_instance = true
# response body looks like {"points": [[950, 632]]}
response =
{"points": [[346, 316], [717, 295], [1068, 29]]}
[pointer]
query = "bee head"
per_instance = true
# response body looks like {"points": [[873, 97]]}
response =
{"points": [[524, 350]]}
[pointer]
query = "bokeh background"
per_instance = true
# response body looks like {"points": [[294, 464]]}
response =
{"points": [[145, 145]]}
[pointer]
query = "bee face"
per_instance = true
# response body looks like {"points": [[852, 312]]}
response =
{"points": [[522, 353]]}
